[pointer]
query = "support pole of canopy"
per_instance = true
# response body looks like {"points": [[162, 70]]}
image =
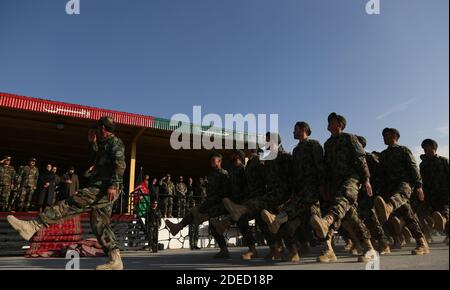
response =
{"points": [[133, 168]]}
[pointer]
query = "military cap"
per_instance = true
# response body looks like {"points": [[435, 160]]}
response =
{"points": [[392, 130], [304, 125], [239, 154], [341, 119], [6, 158], [362, 141], [430, 142], [33, 159], [271, 136], [107, 122], [215, 154]]}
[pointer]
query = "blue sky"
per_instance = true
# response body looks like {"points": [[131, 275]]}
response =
{"points": [[301, 59]]}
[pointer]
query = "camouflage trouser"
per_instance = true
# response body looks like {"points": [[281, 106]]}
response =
{"points": [[246, 231], [93, 200], [344, 208], [212, 206], [181, 207], [218, 238], [153, 223], [193, 235], [399, 197], [346, 195], [25, 197], [369, 216], [167, 206], [5, 192], [271, 200], [303, 205], [427, 208]]}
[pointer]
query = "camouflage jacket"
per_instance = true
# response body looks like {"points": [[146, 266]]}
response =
{"points": [[181, 189], [373, 163], [397, 164], [109, 163], [218, 184], [237, 182], [435, 173], [28, 176], [168, 188], [345, 158], [278, 172], [255, 176], [308, 165], [7, 175]]}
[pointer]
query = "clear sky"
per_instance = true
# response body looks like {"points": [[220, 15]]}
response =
{"points": [[301, 59]]}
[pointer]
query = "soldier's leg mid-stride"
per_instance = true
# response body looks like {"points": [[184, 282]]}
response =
{"points": [[98, 198]]}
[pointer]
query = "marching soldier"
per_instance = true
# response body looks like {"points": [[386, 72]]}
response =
{"points": [[106, 181], [435, 170], [399, 177], [346, 170]]}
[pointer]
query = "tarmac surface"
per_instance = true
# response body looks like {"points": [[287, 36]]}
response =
{"points": [[186, 259]]}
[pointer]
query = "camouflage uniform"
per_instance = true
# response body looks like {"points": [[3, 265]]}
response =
{"points": [[278, 184], [435, 173], [398, 175], [218, 187], [169, 192], [7, 177], [109, 167], [346, 166], [181, 190], [27, 178], [193, 229], [308, 175], [366, 204]]}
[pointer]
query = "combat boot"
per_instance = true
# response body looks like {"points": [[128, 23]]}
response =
{"points": [[221, 226], [235, 210], [348, 245], [292, 255], [223, 254], [369, 253], [383, 209], [439, 221], [251, 254], [273, 221], [407, 235], [115, 262], [174, 229], [383, 248], [421, 248], [26, 229], [321, 225], [327, 255]]}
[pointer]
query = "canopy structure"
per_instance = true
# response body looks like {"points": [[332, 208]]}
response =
{"points": [[56, 133]]}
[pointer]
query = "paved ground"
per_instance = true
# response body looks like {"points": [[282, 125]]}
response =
{"points": [[186, 259]]}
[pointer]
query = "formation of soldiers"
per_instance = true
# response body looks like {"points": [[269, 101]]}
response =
{"points": [[28, 189], [295, 199], [17, 189], [309, 196]]}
